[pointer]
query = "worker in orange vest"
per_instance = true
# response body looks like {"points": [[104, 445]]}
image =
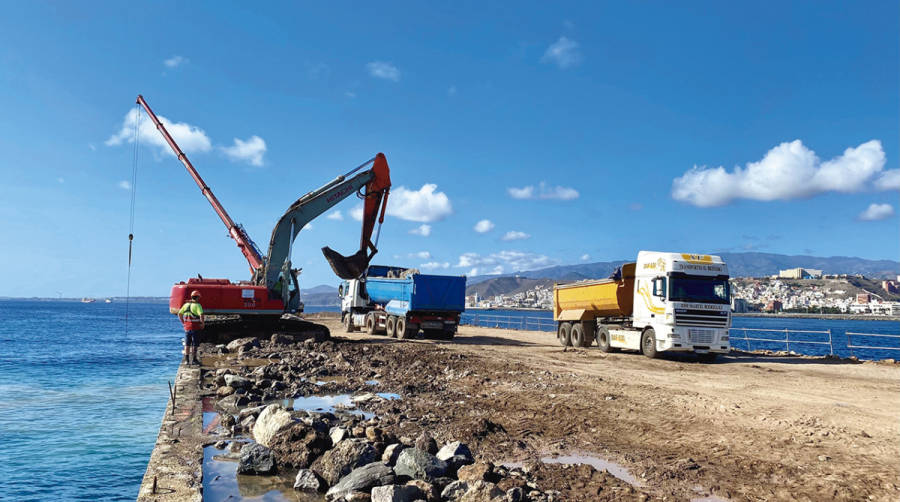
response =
{"points": [[192, 318]]}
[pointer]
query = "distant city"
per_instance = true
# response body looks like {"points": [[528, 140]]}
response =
{"points": [[800, 290]]}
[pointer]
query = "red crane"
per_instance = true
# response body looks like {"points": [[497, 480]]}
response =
{"points": [[273, 289]]}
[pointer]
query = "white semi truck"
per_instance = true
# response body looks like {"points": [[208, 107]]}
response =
{"points": [[663, 302]]}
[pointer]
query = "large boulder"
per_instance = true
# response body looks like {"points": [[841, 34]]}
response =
{"points": [[242, 345], [362, 479], [426, 443], [256, 459], [453, 449], [455, 490], [391, 453], [269, 423], [343, 458], [482, 471], [482, 491], [297, 446], [307, 481], [237, 382], [396, 493], [418, 464]]}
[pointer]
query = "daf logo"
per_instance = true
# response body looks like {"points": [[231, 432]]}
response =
{"points": [[661, 265]]}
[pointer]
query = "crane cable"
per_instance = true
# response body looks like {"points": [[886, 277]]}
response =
{"points": [[135, 160]]}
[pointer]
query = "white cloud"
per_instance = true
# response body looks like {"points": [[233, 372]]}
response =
{"points": [[515, 235], [889, 180], [563, 53], [250, 151], [422, 205], [788, 171], [124, 185], [508, 260], [386, 71], [434, 264], [422, 255], [175, 61], [585, 257], [484, 226], [335, 215], [424, 230], [357, 213], [190, 138], [543, 191], [474, 271], [877, 212]]}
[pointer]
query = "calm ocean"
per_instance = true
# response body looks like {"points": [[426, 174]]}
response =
{"points": [[81, 401]]}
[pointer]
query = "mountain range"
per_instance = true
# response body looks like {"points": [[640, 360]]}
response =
{"points": [[739, 265]]}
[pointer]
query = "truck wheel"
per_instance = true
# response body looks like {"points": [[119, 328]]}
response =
{"points": [[370, 324], [603, 340], [348, 323], [402, 331], [576, 334], [564, 333], [391, 326], [648, 343]]}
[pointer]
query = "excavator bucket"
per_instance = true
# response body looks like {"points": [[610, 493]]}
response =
{"points": [[347, 267]]}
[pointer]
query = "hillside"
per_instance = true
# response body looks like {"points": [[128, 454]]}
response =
{"points": [[505, 286], [321, 296], [739, 264]]}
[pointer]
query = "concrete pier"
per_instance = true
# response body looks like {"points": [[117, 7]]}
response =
{"points": [[175, 470]]}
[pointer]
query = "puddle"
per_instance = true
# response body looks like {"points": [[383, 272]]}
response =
{"points": [[326, 404], [222, 482], [210, 415], [390, 396], [594, 461], [372, 382]]}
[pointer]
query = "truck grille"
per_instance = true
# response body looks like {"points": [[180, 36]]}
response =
{"points": [[704, 336], [701, 318]]}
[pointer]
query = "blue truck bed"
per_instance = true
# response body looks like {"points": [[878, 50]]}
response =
{"points": [[418, 293]]}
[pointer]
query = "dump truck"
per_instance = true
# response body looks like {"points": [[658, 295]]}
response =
{"points": [[663, 302], [400, 302]]}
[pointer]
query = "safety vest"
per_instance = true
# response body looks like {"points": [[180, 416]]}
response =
{"points": [[191, 320]]}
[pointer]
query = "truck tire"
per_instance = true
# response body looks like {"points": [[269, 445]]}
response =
{"points": [[391, 326], [348, 323], [564, 334], [603, 340], [576, 334], [370, 324], [648, 343], [402, 330]]}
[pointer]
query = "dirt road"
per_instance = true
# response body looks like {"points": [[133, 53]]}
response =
{"points": [[744, 428]]}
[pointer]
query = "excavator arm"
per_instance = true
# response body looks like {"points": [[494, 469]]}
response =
{"points": [[374, 185]]}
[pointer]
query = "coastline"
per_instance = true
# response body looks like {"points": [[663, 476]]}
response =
{"points": [[791, 315]]}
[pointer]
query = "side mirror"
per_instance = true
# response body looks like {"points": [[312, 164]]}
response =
{"points": [[341, 290]]}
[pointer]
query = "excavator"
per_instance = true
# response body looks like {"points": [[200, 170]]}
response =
{"points": [[269, 300]]}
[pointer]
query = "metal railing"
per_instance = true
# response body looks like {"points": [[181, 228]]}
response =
{"points": [[851, 345], [524, 323], [825, 339]]}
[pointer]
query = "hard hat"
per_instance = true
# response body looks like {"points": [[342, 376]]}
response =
{"points": [[195, 294]]}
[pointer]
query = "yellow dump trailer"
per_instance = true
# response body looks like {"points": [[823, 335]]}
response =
{"points": [[581, 301]]}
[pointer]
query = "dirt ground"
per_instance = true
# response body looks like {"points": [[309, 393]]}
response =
{"points": [[744, 428]]}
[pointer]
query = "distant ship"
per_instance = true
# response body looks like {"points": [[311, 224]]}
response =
{"points": [[107, 301], [88, 300]]}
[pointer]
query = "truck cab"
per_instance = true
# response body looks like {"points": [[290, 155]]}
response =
{"points": [[684, 299]]}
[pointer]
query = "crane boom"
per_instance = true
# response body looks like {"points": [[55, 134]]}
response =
{"points": [[244, 243]]}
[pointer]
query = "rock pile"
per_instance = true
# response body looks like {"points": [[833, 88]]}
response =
{"points": [[351, 459]]}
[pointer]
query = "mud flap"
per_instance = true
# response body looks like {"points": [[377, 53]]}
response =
{"points": [[347, 267]]}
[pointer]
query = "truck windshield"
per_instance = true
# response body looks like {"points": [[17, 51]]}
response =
{"points": [[699, 289]]}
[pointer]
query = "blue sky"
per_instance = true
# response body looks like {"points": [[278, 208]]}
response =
{"points": [[580, 131]]}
